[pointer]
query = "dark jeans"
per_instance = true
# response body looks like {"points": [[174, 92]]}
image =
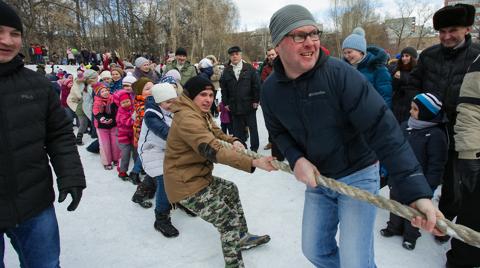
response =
{"points": [[250, 121], [36, 241], [161, 202], [449, 203]]}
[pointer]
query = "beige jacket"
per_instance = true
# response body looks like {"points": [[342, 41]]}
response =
{"points": [[467, 126], [186, 168]]}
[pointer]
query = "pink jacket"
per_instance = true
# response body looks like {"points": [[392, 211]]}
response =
{"points": [[124, 119], [104, 112]]}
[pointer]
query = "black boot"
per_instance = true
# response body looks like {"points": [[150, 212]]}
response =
{"points": [[164, 225], [140, 195], [134, 178], [79, 139], [150, 185]]}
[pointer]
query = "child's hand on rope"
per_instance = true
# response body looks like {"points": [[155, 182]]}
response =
{"points": [[426, 206], [306, 172]]}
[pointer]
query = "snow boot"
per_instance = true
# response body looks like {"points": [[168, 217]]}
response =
{"points": [[409, 245], [387, 232], [150, 185], [145, 190], [164, 225], [186, 210], [140, 194], [248, 241], [79, 139], [134, 178], [123, 175]]}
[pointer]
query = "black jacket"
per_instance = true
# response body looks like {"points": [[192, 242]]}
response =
{"points": [[34, 131], [403, 94], [430, 146], [441, 70], [240, 95], [332, 116]]}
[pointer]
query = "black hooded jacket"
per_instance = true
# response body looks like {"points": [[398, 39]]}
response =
{"points": [[34, 131]]}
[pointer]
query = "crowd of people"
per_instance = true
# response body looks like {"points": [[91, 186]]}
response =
{"points": [[411, 123]]}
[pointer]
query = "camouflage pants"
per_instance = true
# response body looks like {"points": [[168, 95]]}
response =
{"points": [[219, 204]]}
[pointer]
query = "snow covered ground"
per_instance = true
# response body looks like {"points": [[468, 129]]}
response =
{"points": [[108, 230]]}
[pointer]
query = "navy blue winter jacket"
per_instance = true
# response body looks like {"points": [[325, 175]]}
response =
{"points": [[334, 118], [430, 146], [155, 123]]}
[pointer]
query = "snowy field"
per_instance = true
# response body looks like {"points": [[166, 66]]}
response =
{"points": [[108, 230]]}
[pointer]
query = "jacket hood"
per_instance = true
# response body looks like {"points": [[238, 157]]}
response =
{"points": [[375, 57], [185, 103], [151, 104], [280, 70], [11, 66]]}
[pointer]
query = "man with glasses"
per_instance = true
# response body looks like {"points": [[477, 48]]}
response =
{"points": [[326, 118]]}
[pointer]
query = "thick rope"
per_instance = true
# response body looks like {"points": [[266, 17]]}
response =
{"points": [[457, 231]]}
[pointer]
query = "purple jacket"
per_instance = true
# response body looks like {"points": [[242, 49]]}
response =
{"points": [[224, 114]]}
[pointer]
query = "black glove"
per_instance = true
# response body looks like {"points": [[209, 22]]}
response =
{"points": [[468, 171], [75, 192]]}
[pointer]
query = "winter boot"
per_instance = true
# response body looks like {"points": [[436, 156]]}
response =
{"points": [[140, 194], [164, 225], [410, 245], [79, 139], [134, 178], [123, 175], [150, 185], [248, 241], [186, 210], [387, 232]]}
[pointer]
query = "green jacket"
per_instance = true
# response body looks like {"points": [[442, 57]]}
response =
{"points": [[187, 71]]}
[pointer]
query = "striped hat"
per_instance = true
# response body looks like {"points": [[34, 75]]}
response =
{"points": [[428, 106]]}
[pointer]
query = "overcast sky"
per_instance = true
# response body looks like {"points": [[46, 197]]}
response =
{"points": [[257, 13]]}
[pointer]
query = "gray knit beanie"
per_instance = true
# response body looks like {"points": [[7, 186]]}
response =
{"points": [[287, 19], [140, 61], [356, 41]]}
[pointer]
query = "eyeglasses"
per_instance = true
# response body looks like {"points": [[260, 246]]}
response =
{"points": [[300, 37]]}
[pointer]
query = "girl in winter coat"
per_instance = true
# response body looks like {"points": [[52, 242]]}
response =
{"points": [[151, 149], [141, 88], [403, 93], [104, 111], [425, 131], [65, 87], [225, 119], [370, 62], [117, 75], [125, 130]]}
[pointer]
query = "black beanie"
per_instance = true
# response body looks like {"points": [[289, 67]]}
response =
{"points": [[181, 51], [9, 17], [410, 51], [196, 85], [457, 15]]}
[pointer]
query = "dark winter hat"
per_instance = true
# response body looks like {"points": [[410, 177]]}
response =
{"points": [[287, 19], [196, 85], [139, 84], [181, 51], [457, 15], [428, 106], [234, 49], [410, 51], [9, 17]]}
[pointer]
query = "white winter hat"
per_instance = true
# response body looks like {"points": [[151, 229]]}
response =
{"points": [[140, 61], [129, 79], [205, 63], [176, 74], [106, 74], [163, 92]]}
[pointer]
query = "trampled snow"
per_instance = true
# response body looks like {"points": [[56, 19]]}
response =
{"points": [[109, 230]]}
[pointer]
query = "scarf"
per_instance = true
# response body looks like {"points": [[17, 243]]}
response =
{"points": [[419, 124]]}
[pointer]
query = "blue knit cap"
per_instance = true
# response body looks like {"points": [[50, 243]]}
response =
{"points": [[168, 79], [356, 41], [428, 106]]}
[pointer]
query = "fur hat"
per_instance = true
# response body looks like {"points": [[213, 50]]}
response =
{"points": [[356, 41], [140, 61], [129, 79], [9, 17], [410, 51], [457, 15], [428, 106], [181, 51], [163, 92], [196, 85], [139, 84]]}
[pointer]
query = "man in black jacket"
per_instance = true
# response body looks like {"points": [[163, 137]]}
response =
{"points": [[440, 70], [34, 131], [240, 86], [326, 117]]}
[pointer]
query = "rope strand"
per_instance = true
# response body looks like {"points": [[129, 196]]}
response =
{"points": [[460, 232]]}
